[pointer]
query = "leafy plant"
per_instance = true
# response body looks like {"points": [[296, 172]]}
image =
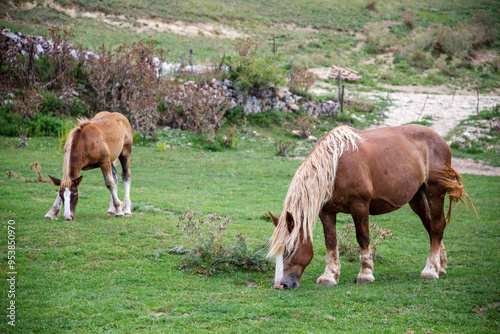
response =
{"points": [[250, 72], [161, 146], [210, 254]]}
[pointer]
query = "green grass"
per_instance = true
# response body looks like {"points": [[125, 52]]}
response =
{"points": [[100, 274]]}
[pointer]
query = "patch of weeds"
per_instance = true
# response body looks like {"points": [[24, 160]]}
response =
{"points": [[348, 245], [231, 140], [35, 167], [210, 255], [284, 149], [161, 146]]}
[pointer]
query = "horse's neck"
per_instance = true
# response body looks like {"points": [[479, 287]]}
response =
{"points": [[73, 165]]}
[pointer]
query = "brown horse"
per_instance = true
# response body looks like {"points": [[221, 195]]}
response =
{"points": [[95, 143], [364, 173]]}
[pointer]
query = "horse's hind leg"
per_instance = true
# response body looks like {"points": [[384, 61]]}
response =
{"points": [[127, 180], [360, 215], [112, 209], [428, 205], [332, 269], [107, 172]]}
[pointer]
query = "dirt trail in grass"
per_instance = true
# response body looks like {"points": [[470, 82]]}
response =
{"points": [[140, 25], [441, 107]]}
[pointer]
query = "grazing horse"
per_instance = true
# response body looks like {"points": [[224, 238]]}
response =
{"points": [[364, 173], [95, 143]]}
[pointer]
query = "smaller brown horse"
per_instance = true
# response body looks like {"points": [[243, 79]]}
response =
{"points": [[364, 173], [95, 143]]}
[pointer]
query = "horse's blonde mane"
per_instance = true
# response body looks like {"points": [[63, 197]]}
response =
{"points": [[311, 187], [66, 179]]}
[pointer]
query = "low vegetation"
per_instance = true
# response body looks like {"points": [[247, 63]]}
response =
{"points": [[175, 265]]}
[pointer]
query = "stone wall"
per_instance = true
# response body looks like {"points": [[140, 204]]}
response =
{"points": [[270, 98]]}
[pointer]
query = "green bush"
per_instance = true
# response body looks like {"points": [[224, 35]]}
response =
{"points": [[255, 73], [52, 105], [268, 118], [251, 72], [235, 116], [10, 122], [42, 125]]}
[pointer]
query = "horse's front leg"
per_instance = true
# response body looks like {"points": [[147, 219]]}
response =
{"points": [[332, 269], [54, 210], [360, 215], [111, 182]]}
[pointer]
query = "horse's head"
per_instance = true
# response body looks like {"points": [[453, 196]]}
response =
{"points": [[291, 263], [68, 195]]}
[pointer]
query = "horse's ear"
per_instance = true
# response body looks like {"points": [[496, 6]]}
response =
{"points": [[290, 221], [76, 181], [55, 181], [275, 219]]}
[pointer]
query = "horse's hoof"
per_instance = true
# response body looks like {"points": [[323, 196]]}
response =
{"points": [[442, 272], [365, 279], [111, 213], [48, 217], [127, 214], [120, 216], [429, 275], [326, 281]]}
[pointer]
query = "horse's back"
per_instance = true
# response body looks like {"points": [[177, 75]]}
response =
{"points": [[109, 132], [390, 166]]}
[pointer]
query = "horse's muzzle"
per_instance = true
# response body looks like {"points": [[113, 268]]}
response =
{"points": [[290, 282]]}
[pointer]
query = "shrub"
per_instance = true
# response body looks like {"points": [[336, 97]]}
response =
{"points": [[490, 26], [303, 81], [409, 17], [284, 149], [126, 80], [305, 125], [10, 122], [161, 146], [190, 107], [349, 248], [377, 34], [418, 47], [210, 254], [28, 104], [371, 5], [251, 72]]}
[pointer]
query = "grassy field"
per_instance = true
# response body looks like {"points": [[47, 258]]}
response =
{"points": [[100, 274]]}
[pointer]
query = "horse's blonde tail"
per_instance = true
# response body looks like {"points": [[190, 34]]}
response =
{"points": [[453, 182]]}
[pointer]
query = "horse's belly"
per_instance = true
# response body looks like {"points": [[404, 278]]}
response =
{"points": [[381, 206]]}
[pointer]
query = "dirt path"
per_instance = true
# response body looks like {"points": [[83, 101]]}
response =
{"points": [[144, 24]]}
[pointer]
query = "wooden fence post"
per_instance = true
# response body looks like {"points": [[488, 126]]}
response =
{"points": [[182, 63], [191, 61]]}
